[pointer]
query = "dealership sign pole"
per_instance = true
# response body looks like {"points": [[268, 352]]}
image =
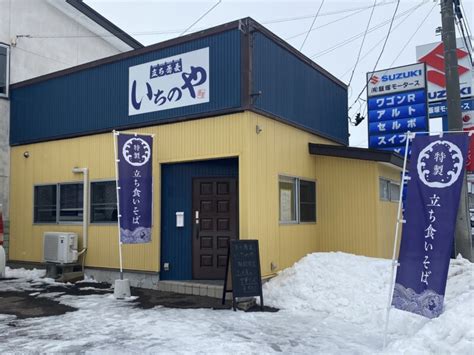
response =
{"points": [[436, 175], [133, 169]]}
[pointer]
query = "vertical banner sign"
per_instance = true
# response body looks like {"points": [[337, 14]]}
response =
{"points": [[135, 187], [436, 170]]}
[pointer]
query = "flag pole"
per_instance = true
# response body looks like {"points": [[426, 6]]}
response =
{"points": [[117, 160], [400, 220]]}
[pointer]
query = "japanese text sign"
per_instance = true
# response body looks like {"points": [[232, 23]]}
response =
{"points": [[396, 104], [167, 83], [135, 187], [433, 193], [394, 80]]}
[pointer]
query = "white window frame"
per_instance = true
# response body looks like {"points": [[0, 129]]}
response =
{"points": [[6, 95]]}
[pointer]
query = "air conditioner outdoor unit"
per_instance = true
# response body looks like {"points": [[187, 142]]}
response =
{"points": [[60, 247]]}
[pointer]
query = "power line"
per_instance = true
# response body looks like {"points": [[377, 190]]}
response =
{"points": [[414, 33], [180, 30], [200, 18], [362, 43], [354, 11], [467, 23], [372, 29], [322, 14], [380, 41], [381, 52], [42, 56], [312, 24], [324, 25], [460, 25], [340, 19]]}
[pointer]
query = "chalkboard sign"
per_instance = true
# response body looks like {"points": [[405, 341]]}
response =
{"points": [[242, 276]]}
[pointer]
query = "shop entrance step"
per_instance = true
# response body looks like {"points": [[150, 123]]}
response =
{"points": [[209, 288]]}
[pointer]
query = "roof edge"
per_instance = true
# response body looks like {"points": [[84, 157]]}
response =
{"points": [[356, 153], [282, 43], [88, 11]]}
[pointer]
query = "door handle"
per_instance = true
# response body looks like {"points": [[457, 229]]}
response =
{"points": [[196, 224]]}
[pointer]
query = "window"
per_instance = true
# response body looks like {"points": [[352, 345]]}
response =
{"points": [[287, 199], [4, 69], [103, 202], [389, 190], [394, 192], [70, 202], [297, 199], [45, 204], [384, 189], [307, 201], [58, 203]]}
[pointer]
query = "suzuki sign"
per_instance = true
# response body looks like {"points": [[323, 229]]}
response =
{"points": [[433, 56], [389, 81]]}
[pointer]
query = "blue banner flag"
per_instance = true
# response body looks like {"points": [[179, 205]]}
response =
{"points": [[135, 187], [436, 171]]}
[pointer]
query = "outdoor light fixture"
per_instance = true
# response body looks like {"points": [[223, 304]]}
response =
{"points": [[258, 129], [26, 154]]}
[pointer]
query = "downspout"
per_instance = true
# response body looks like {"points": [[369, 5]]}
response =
{"points": [[85, 211]]}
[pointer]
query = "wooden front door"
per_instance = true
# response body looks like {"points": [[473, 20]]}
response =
{"points": [[215, 223]]}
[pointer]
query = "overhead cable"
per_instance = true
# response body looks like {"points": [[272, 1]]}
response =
{"points": [[362, 43], [413, 35], [372, 29], [381, 52], [399, 24], [200, 18], [329, 13], [312, 24]]}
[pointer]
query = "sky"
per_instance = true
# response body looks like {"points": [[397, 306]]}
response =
{"points": [[333, 43]]}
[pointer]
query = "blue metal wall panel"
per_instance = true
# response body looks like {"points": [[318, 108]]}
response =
{"points": [[96, 99], [296, 92], [176, 196]]}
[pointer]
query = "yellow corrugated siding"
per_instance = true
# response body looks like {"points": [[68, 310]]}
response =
{"points": [[346, 195], [386, 213], [278, 149], [51, 162], [347, 190]]}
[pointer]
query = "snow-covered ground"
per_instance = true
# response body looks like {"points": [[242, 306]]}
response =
{"points": [[330, 303]]}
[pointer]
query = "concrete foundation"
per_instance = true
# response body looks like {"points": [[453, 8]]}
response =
{"points": [[137, 279]]}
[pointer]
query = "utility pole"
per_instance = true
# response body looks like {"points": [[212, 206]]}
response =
{"points": [[462, 236]]}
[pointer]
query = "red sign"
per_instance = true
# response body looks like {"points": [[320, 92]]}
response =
{"points": [[435, 59]]}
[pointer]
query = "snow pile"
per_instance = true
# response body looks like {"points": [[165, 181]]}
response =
{"points": [[452, 331], [24, 273], [355, 289], [351, 287]]}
